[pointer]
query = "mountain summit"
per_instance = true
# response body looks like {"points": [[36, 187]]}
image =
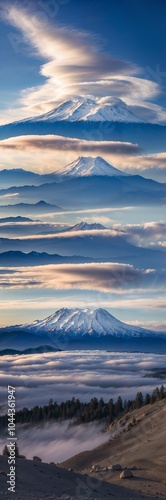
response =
{"points": [[84, 226], [95, 109], [87, 166], [82, 329], [76, 323]]}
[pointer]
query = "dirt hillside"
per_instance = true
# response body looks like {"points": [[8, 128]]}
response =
{"points": [[137, 442]]}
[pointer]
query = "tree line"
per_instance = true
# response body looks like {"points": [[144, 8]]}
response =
{"points": [[81, 413]]}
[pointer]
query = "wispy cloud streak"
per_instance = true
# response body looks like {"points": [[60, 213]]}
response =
{"points": [[75, 63]]}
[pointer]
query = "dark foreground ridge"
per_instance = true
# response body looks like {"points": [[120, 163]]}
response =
{"points": [[38, 481]]}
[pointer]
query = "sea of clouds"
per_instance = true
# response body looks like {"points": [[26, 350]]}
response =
{"points": [[83, 374], [61, 376]]}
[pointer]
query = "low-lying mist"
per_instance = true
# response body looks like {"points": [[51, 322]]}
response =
{"points": [[56, 442]]}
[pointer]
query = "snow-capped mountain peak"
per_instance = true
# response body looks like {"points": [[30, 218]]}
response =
{"points": [[87, 166], [84, 226], [94, 109], [76, 323]]}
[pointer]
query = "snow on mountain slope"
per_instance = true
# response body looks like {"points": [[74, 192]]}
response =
{"points": [[78, 322], [84, 226], [92, 109], [85, 166]]}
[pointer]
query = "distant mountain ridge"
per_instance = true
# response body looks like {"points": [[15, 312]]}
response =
{"points": [[17, 258], [20, 177], [88, 182], [99, 246], [4, 220], [82, 166], [31, 208], [33, 350], [79, 192]]}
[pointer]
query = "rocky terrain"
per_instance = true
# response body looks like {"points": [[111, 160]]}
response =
{"points": [[131, 465], [137, 445], [37, 481]]}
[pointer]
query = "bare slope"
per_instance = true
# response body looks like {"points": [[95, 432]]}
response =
{"points": [[137, 440], [37, 481]]}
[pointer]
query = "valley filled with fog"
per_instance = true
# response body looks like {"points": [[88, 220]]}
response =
{"points": [[84, 374]]}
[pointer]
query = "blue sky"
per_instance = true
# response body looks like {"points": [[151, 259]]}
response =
{"points": [[133, 31], [130, 33], [52, 50]]}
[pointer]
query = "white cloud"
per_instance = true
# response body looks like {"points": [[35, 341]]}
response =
{"points": [[147, 162], [74, 64], [150, 325], [46, 154], [58, 441], [81, 374], [50, 153], [104, 277], [147, 234]]}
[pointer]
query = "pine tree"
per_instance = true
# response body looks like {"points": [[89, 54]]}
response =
{"points": [[16, 450], [147, 399], [118, 406], [162, 393], [6, 451], [139, 400]]}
